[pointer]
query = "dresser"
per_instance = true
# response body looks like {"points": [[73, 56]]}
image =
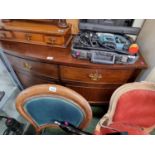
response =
{"points": [[41, 32], [37, 64]]}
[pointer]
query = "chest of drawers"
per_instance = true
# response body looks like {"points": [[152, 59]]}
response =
{"points": [[35, 64], [35, 33]]}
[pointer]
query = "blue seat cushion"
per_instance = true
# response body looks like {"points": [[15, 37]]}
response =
{"points": [[45, 110]]}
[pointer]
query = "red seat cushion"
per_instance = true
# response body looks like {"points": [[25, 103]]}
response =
{"points": [[137, 108]]}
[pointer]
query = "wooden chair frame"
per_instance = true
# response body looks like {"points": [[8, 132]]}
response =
{"points": [[52, 90]]}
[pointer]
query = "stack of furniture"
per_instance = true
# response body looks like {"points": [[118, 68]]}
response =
{"points": [[39, 55]]}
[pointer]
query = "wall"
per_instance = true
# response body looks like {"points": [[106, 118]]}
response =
{"points": [[75, 24], [146, 41]]}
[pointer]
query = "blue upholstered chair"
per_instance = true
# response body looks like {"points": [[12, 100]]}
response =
{"points": [[41, 105]]}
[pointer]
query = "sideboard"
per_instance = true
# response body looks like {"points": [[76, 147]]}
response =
{"points": [[37, 64]]}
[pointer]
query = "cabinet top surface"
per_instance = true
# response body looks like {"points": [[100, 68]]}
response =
{"points": [[34, 27], [59, 56]]}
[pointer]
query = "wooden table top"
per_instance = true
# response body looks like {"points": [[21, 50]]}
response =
{"points": [[60, 56]]}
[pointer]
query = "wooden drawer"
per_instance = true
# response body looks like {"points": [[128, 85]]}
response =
{"points": [[54, 40], [42, 69], [30, 37], [100, 76], [36, 33], [36, 38], [28, 79], [6, 34], [95, 95]]}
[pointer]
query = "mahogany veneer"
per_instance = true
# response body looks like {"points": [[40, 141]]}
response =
{"points": [[36, 64]]}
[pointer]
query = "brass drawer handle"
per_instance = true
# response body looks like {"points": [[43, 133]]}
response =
{"points": [[95, 76], [51, 40], [6, 34], [2, 35], [28, 36], [27, 66]]}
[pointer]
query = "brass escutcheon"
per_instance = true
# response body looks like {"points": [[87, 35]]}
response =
{"points": [[95, 76], [27, 66]]}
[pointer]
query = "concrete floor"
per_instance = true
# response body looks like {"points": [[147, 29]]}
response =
{"points": [[7, 104]]}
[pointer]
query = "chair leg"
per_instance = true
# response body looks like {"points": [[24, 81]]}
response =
{"points": [[38, 131]]}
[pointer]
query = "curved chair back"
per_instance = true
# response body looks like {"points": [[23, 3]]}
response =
{"points": [[41, 105], [132, 106]]}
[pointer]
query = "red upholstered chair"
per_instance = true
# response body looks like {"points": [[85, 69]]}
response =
{"points": [[131, 109]]}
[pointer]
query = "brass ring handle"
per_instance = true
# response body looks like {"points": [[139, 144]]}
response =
{"points": [[95, 76], [27, 66]]}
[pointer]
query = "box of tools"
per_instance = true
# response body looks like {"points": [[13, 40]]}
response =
{"points": [[106, 41]]}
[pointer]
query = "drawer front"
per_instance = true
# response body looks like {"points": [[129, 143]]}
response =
{"points": [[36, 38], [94, 95], [42, 69], [28, 79], [6, 35], [28, 37], [100, 76], [54, 40]]}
